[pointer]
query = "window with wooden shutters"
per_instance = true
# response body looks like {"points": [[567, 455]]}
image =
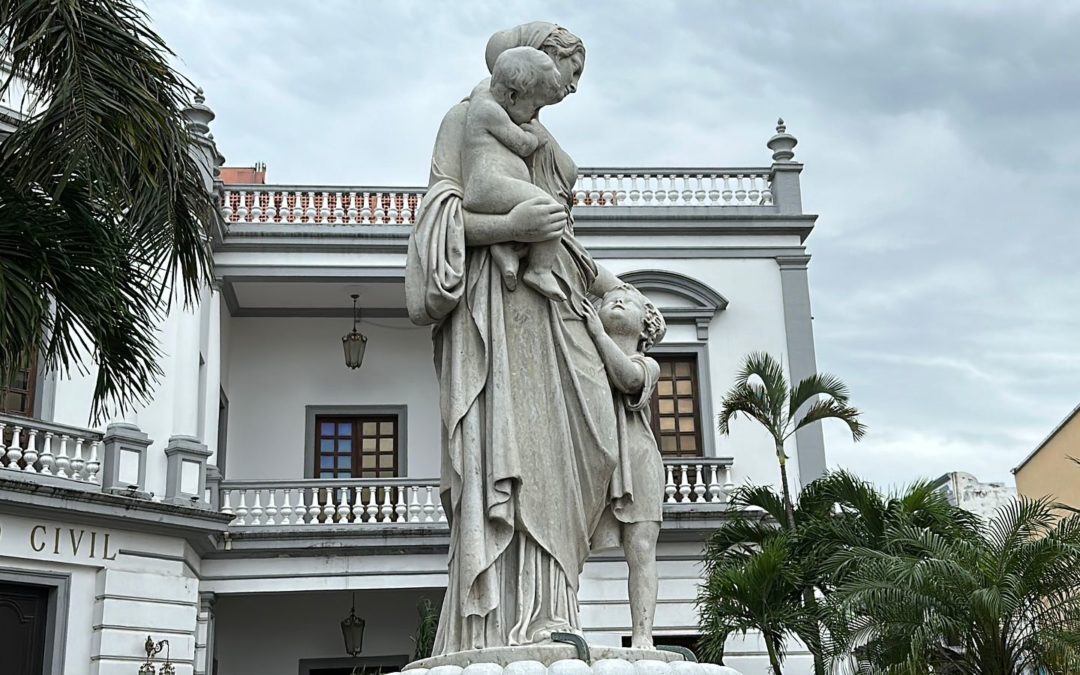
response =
{"points": [[676, 409], [17, 396], [356, 446]]}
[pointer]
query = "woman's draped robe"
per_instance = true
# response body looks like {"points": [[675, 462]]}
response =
{"points": [[528, 419]]}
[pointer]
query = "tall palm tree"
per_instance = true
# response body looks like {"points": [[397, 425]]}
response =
{"points": [[1003, 603], [103, 209], [761, 393]]}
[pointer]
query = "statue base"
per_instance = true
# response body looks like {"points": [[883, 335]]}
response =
{"points": [[551, 658]]}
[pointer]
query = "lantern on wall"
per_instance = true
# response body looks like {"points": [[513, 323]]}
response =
{"points": [[354, 341], [352, 629]]}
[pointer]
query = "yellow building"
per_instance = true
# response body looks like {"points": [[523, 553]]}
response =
{"points": [[1050, 470]]}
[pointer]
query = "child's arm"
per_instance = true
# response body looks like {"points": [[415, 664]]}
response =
{"points": [[627, 376], [499, 125]]}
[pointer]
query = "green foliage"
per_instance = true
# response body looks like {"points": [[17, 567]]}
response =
{"points": [[1006, 601], [424, 640], [804, 566], [102, 206]]}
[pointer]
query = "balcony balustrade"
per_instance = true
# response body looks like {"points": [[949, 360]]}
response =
{"points": [[358, 502], [313, 205], [30, 447]]}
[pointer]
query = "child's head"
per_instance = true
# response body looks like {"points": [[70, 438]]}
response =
{"points": [[523, 81], [625, 311]]}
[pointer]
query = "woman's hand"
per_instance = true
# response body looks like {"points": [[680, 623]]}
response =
{"points": [[538, 219]]}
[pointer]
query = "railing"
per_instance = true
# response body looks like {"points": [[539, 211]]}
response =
{"points": [[332, 501], [326, 205], [402, 501], [697, 480], [31, 447]]}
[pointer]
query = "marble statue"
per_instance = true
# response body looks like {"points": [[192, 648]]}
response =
{"points": [[547, 454]]}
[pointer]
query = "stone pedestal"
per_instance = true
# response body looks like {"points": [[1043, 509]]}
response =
{"points": [[550, 658]]}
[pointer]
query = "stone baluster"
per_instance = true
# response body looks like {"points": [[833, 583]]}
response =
{"points": [[226, 208], [380, 213], [608, 194], [297, 210], [365, 210], [669, 485], [727, 193], [414, 504], [242, 208], [400, 509], [46, 460], [358, 504], [314, 510], [635, 191], [406, 212], [699, 193], [273, 206], [351, 212], [687, 191], [713, 193], [740, 191], [699, 484], [429, 506], [285, 511], [387, 509], [30, 454], [392, 212], [661, 194], [344, 509], [257, 207], [329, 511], [241, 508], [226, 505], [714, 485], [299, 508], [620, 190], [647, 191], [329, 201], [78, 463], [14, 451], [93, 465], [729, 487], [63, 459], [256, 508], [271, 511], [684, 484], [439, 507], [373, 505], [754, 194]]}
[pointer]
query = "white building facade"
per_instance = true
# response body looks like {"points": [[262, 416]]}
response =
{"points": [[267, 487]]}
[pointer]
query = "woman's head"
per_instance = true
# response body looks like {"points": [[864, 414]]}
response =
{"points": [[564, 48]]}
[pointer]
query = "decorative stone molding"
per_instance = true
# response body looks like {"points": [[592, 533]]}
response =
{"points": [[185, 472], [703, 301], [123, 466]]}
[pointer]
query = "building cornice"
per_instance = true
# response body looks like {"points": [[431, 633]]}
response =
{"points": [[1049, 437]]}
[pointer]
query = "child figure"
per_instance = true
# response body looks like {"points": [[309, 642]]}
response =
{"points": [[495, 174], [624, 328]]}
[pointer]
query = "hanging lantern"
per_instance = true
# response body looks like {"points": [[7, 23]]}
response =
{"points": [[352, 629], [354, 341]]}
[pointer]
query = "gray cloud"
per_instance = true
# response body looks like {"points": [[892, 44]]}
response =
{"points": [[937, 138]]}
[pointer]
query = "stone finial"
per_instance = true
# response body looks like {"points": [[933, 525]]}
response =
{"points": [[199, 115], [782, 144]]}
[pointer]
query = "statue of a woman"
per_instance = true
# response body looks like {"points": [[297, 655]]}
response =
{"points": [[529, 431]]}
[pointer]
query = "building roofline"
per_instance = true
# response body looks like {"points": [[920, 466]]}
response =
{"points": [[1046, 440]]}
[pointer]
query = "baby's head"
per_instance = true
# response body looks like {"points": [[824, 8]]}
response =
{"points": [[523, 81], [625, 311]]}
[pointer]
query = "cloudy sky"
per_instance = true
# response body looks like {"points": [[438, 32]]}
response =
{"points": [[940, 141]]}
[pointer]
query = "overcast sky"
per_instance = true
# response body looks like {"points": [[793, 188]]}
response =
{"points": [[940, 140]]}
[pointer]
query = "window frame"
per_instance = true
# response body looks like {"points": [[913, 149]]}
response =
{"points": [[312, 412], [702, 395], [30, 391]]}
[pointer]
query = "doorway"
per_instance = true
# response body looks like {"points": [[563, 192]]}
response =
{"points": [[24, 624]]}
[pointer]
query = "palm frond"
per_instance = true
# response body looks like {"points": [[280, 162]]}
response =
{"points": [[823, 409], [818, 384], [762, 372]]}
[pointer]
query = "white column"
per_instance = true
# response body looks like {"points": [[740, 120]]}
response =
{"points": [[185, 420], [213, 373]]}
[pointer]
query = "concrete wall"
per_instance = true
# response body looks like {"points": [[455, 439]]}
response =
{"points": [[1050, 473]]}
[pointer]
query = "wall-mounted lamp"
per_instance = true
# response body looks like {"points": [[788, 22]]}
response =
{"points": [[354, 341], [152, 650]]}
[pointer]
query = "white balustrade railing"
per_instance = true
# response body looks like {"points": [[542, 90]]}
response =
{"points": [[298, 204], [31, 447], [697, 480], [338, 501], [402, 501]]}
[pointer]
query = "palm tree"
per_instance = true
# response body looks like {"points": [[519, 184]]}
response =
{"points": [[103, 209], [834, 514], [1003, 603], [761, 392]]}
